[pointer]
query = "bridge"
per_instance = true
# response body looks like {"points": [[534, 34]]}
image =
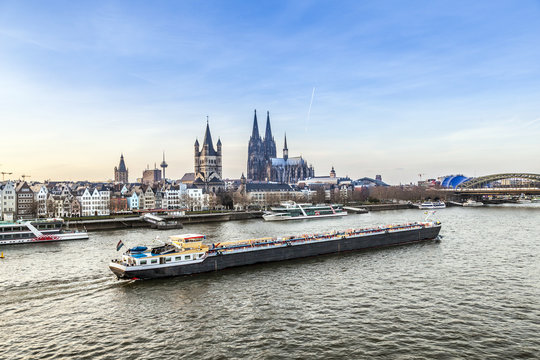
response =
{"points": [[513, 184]]}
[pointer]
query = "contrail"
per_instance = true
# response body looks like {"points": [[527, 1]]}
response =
{"points": [[309, 111]]}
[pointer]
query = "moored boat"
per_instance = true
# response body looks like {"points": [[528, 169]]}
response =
{"points": [[429, 205], [293, 211], [473, 203], [189, 254], [37, 231]]}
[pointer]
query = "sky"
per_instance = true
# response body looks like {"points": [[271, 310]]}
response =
{"points": [[400, 89]]}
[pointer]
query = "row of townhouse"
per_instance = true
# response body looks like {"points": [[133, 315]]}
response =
{"points": [[169, 197], [23, 201]]}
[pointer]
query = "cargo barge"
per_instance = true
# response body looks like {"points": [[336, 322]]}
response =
{"points": [[188, 254]]}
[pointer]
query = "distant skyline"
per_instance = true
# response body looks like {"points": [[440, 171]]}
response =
{"points": [[399, 89]]}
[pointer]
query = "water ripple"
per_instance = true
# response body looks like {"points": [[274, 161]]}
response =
{"points": [[473, 295]]}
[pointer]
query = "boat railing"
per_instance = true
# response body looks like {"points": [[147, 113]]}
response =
{"points": [[308, 238]]}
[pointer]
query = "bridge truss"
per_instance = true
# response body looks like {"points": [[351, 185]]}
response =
{"points": [[484, 181]]}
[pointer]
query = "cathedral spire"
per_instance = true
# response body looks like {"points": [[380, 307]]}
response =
{"points": [[285, 149], [268, 133], [255, 132]]}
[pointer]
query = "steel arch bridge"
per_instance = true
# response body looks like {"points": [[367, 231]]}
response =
{"points": [[482, 181]]}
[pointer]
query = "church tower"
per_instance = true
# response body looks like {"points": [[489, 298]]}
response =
{"points": [[208, 164], [256, 162], [121, 172]]}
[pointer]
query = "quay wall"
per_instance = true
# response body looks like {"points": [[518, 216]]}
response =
{"points": [[137, 222], [382, 207]]}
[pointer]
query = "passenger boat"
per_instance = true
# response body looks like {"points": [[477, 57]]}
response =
{"points": [[428, 205], [473, 203], [524, 200], [293, 211], [35, 231], [189, 254]]}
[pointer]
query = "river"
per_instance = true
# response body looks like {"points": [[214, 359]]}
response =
{"points": [[474, 295]]}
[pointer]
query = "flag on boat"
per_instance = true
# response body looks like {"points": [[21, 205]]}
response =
{"points": [[119, 245]]}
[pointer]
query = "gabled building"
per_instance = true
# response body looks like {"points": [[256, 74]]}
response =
{"points": [[25, 201], [41, 193], [94, 201], [8, 198], [172, 196], [132, 200], [147, 198]]}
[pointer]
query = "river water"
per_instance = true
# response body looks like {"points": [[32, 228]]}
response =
{"points": [[474, 295]]}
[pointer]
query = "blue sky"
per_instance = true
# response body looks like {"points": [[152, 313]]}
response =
{"points": [[401, 88]]}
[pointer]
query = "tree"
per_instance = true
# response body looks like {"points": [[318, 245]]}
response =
{"points": [[320, 196]]}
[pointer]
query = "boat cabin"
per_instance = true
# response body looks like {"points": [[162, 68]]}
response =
{"points": [[182, 248]]}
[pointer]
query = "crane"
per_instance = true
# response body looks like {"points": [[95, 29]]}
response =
{"points": [[25, 176], [4, 174]]}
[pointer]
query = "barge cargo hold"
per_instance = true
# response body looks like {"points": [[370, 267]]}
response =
{"points": [[187, 254]]}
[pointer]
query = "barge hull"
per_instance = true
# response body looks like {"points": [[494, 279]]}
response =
{"points": [[223, 261]]}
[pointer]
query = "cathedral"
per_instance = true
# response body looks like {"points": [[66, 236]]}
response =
{"points": [[120, 172], [263, 165], [208, 166]]}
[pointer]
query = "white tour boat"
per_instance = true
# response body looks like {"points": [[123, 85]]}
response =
{"points": [[429, 205], [293, 211], [35, 231]]}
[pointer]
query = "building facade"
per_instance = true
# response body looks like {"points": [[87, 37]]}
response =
{"points": [[25, 201], [8, 198], [151, 176]]}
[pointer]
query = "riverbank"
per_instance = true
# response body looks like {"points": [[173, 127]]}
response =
{"points": [[139, 222], [127, 222]]}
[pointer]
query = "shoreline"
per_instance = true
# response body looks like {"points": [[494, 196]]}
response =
{"points": [[137, 222]]}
